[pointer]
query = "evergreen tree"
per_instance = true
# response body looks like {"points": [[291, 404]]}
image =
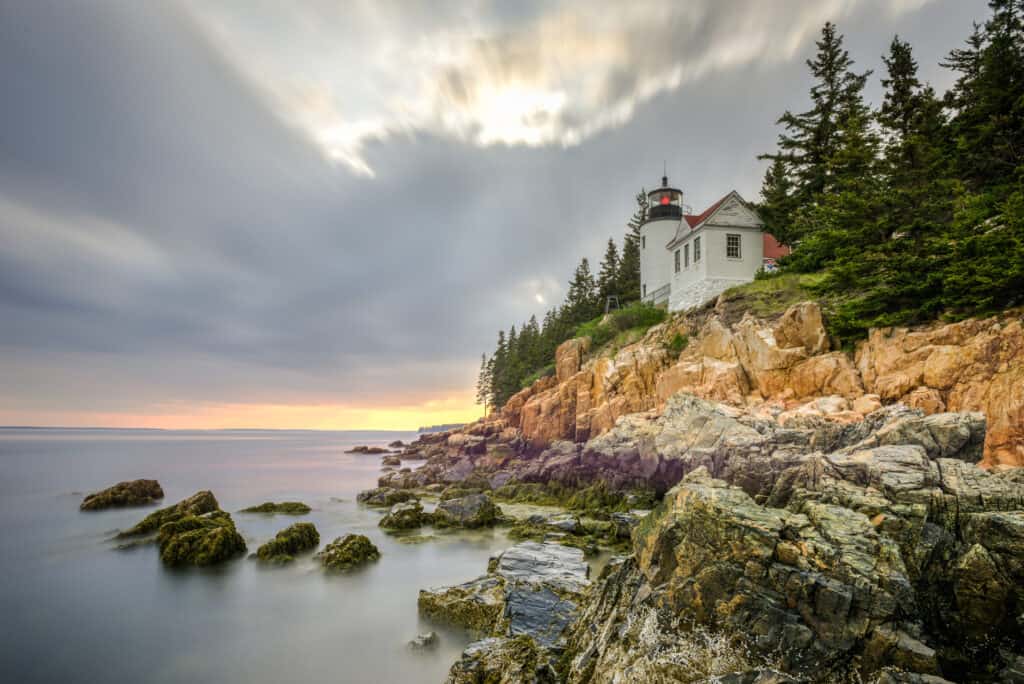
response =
{"points": [[581, 301], [778, 203], [628, 277], [811, 140], [607, 276], [483, 383], [988, 102]]}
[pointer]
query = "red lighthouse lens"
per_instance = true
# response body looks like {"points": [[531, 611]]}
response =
{"points": [[664, 199]]}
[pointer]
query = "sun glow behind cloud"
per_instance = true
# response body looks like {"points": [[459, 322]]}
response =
{"points": [[346, 74]]}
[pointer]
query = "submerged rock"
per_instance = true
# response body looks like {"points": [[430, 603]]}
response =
{"points": [[424, 642], [475, 510], [200, 539], [367, 450], [286, 507], [198, 504], [405, 516], [348, 552], [288, 542], [129, 493], [397, 444], [384, 496]]}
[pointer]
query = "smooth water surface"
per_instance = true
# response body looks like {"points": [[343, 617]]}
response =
{"points": [[76, 610]]}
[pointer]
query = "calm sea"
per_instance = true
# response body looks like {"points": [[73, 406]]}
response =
{"points": [[74, 609]]}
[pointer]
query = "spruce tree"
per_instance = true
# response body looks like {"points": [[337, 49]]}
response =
{"points": [[483, 384], [581, 300], [628, 277], [778, 203], [607, 276], [811, 139]]}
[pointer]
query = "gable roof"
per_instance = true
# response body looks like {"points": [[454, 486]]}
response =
{"points": [[694, 221]]}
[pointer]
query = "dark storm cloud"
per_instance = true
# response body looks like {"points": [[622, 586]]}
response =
{"points": [[167, 233]]}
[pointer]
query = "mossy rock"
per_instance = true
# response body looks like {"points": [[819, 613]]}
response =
{"points": [[286, 507], [475, 510], [200, 539], [348, 552], [289, 541], [128, 493], [457, 492], [385, 496], [199, 503], [405, 516]]}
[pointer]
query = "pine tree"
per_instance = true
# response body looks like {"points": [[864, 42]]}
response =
{"points": [[483, 384], [628, 277], [607, 276], [811, 139], [778, 203], [988, 102], [581, 300]]}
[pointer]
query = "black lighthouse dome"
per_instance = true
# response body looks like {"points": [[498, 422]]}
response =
{"points": [[665, 202]]}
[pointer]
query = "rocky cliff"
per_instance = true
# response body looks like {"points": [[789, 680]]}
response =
{"points": [[779, 367]]}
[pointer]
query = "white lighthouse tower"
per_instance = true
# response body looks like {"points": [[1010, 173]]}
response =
{"points": [[664, 214]]}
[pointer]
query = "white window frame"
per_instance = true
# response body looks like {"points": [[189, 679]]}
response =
{"points": [[686, 255], [696, 249], [739, 246], [643, 242], [677, 260]]}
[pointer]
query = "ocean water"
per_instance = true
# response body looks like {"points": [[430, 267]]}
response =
{"points": [[75, 609]]}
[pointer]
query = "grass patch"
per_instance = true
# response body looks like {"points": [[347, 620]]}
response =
{"points": [[538, 374], [634, 319], [770, 294]]}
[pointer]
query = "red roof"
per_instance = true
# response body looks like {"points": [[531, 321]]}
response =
{"points": [[696, 220], [772, 248]]}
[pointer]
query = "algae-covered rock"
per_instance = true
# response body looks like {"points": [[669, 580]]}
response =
{"points": [[367, 450], [475, 605], [405, 516], [348, 552], [391, 460], [384, 496], [197, 504], [498, 660], [129, 493], [288, 542], [285, 507], [424, 642], [200, 539], [475, 510]]}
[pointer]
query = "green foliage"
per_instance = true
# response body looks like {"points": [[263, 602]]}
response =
{"points": [[536, 375], [678, 343], [635, 317], [521, 357], [909, 213]]}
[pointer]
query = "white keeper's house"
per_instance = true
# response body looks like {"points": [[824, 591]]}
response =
{"points": [[688, 259]]}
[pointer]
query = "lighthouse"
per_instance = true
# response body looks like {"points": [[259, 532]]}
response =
{"points": [[664, 212]]}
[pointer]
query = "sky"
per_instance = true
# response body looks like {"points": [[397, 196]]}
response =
{"points": [[315, 214]]}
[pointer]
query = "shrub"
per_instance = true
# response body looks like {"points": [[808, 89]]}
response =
{"points": [[678, 344]]}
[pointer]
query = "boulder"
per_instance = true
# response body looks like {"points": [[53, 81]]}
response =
{"points": [[288, 542], [475, 510], [367, 450], [474, 605], [203, 539], [129, 493], [348, 552], [385, 496], [198, 504], [391, 461], [405, 516], [502, 660]]}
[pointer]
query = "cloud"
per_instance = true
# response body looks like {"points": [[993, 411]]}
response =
{"points": [[349, 73]]}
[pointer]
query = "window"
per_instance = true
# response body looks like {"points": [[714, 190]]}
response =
{"points": [[643, 242], [677, 261], [686, 256], [645, 290], [732, 246], [696, 249]]}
